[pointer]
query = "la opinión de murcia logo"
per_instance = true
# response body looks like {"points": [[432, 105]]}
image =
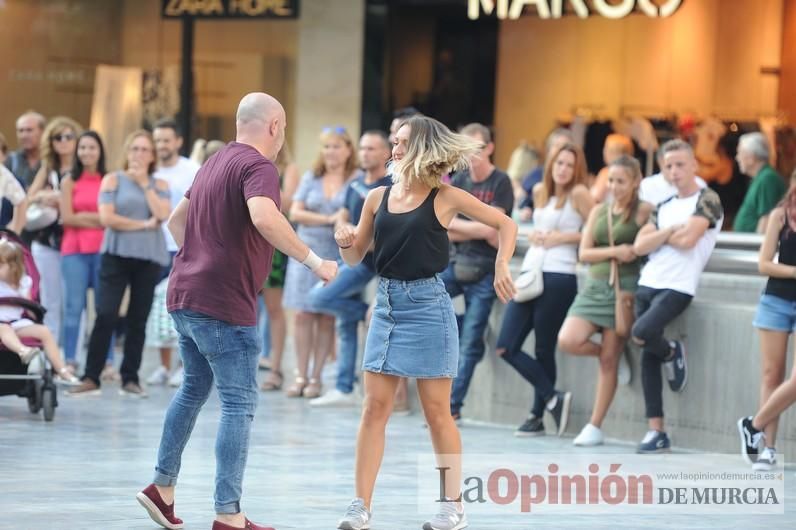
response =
{"points": [[512, 9], [503, 487]]}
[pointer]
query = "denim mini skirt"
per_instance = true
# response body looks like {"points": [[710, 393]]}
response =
{"points": [[413, 331]]}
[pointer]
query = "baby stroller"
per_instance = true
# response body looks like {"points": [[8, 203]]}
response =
{"points": [[33, 381]]}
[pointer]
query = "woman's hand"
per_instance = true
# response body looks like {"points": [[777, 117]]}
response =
{"points": [[625, 253], [151, 223], [552, 239], [345, 236], [536, 238], [504, 284]]}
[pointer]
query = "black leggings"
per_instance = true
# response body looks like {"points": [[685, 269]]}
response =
{"points": [[655, 309], [545, 315]]}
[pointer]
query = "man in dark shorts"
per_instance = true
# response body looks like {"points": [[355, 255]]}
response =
{"points": [[226, 226]]}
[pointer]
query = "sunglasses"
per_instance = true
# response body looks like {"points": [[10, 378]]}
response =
{"points": [[339, 129], [66, 137]]}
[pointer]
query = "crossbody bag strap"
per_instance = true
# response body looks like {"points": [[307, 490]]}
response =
{"points": [[613, 278]]}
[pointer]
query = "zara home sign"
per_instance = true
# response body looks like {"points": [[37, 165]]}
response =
{"points": [[512, 9]]}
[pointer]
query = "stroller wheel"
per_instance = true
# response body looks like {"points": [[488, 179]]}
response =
{"points": [[34, 396], [48, 403]]}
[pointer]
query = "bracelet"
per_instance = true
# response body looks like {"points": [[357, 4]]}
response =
{"points": [[312, 261], [343, 248]]}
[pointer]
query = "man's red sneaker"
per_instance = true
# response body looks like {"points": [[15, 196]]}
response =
{"points": [[159, 511], [218, 525]]}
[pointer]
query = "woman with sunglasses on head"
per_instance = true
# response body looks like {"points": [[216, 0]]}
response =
{"points": [[43, 227], [315, 210], [413, 329]]}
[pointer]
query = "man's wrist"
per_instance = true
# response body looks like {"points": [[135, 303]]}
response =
{"points": [[312, 261]]}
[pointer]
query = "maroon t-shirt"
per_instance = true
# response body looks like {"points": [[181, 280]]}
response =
{"points": [[224, 260]]}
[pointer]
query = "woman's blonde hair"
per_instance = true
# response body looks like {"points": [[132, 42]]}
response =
{"points": [[11, 253], [548, 188], [128, 142], [339, 133], [432, 151], [56, 126]]}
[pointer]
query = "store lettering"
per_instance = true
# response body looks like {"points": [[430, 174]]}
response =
{"points": [[177, 8], [512, 9], [229, 8]]}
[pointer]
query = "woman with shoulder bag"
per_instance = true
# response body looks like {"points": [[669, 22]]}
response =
{"points": [[562, 203], [43, 229], [604, 305]]}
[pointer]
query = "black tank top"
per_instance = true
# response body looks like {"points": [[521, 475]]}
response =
{"points": [[785, 288], [410, 245]]}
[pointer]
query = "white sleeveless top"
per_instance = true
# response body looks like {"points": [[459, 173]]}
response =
{"points": [[562, 258]]}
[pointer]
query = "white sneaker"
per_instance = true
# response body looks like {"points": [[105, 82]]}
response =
{"points": [[176, 378], [767, 461], [335, 398], [624, 373], [589, 436], [159, 377]]}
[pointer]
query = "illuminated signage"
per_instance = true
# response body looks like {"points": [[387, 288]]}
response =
{"points": [[230, 8], [512, 9]]}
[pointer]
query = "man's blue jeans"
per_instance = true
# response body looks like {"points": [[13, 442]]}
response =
{"points": [[212, 350], [478, 299], [342, 297]]}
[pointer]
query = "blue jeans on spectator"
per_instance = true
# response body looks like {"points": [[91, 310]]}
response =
{"points": [[212, 350], [478, 299], [80, 273], [264, 326], [544, 315], [342, 297]]}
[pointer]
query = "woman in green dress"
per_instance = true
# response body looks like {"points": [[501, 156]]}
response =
{"points": [[593, 309]]}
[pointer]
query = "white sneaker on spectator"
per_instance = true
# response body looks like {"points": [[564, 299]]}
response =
{"points": [[589, 436], [335, 398], [159, 377], [176, 378], [624, 372]]}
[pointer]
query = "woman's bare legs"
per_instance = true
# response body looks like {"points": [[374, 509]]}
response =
{"points": [[376, 409], [435, 396], [775, 396]]}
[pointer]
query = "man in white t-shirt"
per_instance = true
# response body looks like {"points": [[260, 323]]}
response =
{"points": [[679, 238], [657, 188], [179, 172]]}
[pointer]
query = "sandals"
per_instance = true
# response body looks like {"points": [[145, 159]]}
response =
{"points": [[65, 376], [297, 388], [313, 389], [272, 381], [27, 354]]}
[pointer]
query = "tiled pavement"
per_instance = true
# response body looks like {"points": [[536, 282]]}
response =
{"points": [[82, 470]]}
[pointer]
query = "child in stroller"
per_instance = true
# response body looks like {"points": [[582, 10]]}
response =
{"points": [[14, 283]]}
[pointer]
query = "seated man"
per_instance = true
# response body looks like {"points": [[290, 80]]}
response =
{"points": [[679, 238], [472, 270], [766, 189], [343, 296]]}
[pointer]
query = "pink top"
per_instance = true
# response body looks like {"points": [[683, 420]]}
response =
{"points": [[78, 240]]}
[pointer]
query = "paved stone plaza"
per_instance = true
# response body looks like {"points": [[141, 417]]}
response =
{"points": [[82, 470]]}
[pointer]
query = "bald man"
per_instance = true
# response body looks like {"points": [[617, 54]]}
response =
{"points": [[226, 226]]}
